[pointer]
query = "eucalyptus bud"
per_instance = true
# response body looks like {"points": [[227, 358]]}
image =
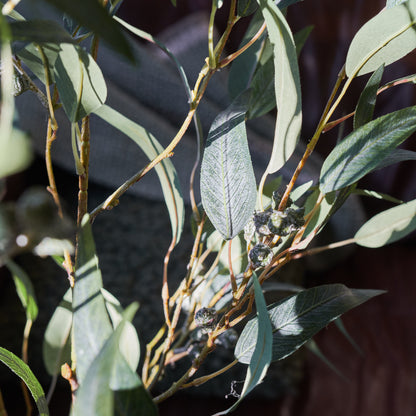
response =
{"points": [[277, 198], [206, 319], [260, 255], [260, 220]]}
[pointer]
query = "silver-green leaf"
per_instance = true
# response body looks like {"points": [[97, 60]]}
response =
{"points": [[384, 39], [298, 318], [388, 226], [228, 185]]}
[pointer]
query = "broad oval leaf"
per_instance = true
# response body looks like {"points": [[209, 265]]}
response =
{"points": [[25, 373], [40, 31], [228, 185], [165, 170], [91, 324], [80, 82], [388, 226], [384, 39], [56, 348], [262, 354], [299, 317], [287, 86], [361, 151], [367, 101]]}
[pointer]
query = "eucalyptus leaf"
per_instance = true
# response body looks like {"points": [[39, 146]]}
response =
{"points": [[262, 354], [228, 185], [56, 347], [40, 31], [396, 156], [361, 151], [297, 318], [287, 86], [91, 325], [388, 226], [301, 37], [24, 289], [282, 4], [165, 170], [246, 7], [80, 82], [25, 373], [91, 14], [392, 3], [377, 195], [15, 153], [384, 39], [367, 101], [321, 213], [110, 385]]}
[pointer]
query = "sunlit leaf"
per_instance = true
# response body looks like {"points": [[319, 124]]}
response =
{"points": [[388, 226], [25, 373], [228, 185], [361, 151], [384, 39], [80, 82], [367, 101], [299, 317], [165, 170], [287, 86], [91, 325]]}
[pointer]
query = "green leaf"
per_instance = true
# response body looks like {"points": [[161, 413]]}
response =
{"points": [[392, 3], [24, 289], [32, 59], [165, 170], [40, 31], [300, 190], [377, 195], [388, 226], [56, 348], [282, 4], [173, 2], [91, 325], [110, 385], [80, 82], [25, 373], [301, 37], [129, 341], [396, 156], [244, 66], [367, 101], [287, 86], [15, 153], [384, 39], [361, 151], [246, 7], [228, 185], [340, 325], [297, 318], [91, 14], [262, 354]]}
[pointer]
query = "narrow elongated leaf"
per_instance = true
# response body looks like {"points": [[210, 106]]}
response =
{"points": [[25, 373], [377, 195], [287, 86], [40, 31], [297, 318], [56, 348], [392, 3], [91, 325], [228, 185], [80, 82], [367, 101], [15, 153], [388, 226], [262, 354], [246, 7], [91, 14], [384, 39], [24, 289], [361, 151], [110, 385], [396, 156], [301, 37], [165, 170]]}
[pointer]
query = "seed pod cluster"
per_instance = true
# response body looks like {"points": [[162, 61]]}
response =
{"points": [[206, 319]]}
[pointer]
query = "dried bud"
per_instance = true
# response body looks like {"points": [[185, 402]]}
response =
{"points": [[260, 220], [277, 198], [206, 319], [260, 255]]}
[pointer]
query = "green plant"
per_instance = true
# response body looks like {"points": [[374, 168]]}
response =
{"points": [[253, 231]]}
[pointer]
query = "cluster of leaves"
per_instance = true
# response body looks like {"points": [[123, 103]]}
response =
{"points": [[89, 330]]}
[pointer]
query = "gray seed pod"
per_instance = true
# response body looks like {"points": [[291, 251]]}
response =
{"points": [[260, 220], [260, 255], [206, 319]]}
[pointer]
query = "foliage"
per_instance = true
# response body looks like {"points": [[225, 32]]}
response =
{"points": [[253, 228]]}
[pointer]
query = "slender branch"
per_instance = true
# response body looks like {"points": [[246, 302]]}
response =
{"points": [[317, 250]]}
